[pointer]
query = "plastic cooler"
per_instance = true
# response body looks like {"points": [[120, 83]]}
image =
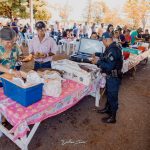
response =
{"points": [[24, 96]]}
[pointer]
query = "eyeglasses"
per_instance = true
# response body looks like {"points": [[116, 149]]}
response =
{"points": [[8, 42]]}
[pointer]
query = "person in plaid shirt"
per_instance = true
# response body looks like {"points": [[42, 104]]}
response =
{"points": [[9, 52]]}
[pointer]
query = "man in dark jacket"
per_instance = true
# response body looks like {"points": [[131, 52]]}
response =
{"points": [[111, 64]]}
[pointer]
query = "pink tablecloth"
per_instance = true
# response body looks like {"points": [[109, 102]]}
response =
{"points": [[20, 117]]}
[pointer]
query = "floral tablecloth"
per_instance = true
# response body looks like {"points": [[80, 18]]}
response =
{"points": [[20, 117]]}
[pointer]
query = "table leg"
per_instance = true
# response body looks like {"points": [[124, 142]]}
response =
{"points": [[134, 71], [24, 143], [102, 91], [68, 49], [97, 96]]}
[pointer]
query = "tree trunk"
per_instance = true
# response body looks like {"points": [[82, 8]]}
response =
{"points": [[144, 22]]}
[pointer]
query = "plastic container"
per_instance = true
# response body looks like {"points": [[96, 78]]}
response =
{"points": [[24, 96], [142, 48], [131, 50], [126, 55]]}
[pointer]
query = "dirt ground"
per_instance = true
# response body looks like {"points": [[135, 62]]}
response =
{"points": [[80, 128]]}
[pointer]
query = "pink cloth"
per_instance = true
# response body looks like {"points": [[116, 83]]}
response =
{"points": [[20, 117], [19, 112], [47, 45]]}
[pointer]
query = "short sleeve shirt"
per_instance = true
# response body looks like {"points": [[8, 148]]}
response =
{"points": [[47, 45], [11, 59], [134, 33]]}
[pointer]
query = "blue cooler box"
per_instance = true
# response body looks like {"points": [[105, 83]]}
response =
{"points": [[24, 96]]}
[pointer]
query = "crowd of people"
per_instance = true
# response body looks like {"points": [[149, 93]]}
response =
{"points": [[123, 35], [43, 47]]}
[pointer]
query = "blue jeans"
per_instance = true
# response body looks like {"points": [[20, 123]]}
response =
{"points": [[39, 65]]}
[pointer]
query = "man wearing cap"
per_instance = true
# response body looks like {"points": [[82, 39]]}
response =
{"points": [[9, 52], [42, 47], [134, 35], [111, 64]]}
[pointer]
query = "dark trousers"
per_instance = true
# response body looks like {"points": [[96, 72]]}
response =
{"points": [[39, 65], [112, 89]]}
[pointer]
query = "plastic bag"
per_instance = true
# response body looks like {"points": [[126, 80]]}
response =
{"points": [[34, 78], [52, 88], [103, 81], [18, 81], [52, 84]]}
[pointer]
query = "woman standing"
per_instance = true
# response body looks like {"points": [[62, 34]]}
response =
{"points": [[109, 31]]}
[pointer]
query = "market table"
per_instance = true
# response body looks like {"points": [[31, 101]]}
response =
{"points": [[134, 60], [21, 117]]}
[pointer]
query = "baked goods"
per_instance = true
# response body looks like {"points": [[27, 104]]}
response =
{"points": [[39, 55], [27, 58]]}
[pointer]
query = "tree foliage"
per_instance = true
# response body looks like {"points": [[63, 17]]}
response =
{"points": [[41, 11], [13, 8], [64, 12], [95, 10], [113, 17], [137, 11], [20, 8]]}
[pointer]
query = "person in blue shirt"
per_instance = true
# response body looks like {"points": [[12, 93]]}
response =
{"points": [[122, 39], [75, 30], [111, 64]]}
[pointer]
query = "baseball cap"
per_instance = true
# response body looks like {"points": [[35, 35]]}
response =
{"points": [[107, 35], [40, 25]]}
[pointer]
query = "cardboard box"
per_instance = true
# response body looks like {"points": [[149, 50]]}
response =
{"points": [[80, 72]]}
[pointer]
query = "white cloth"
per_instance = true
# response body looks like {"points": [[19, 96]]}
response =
{"points": [[85, 29], [34, 78], [73, 71]]}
